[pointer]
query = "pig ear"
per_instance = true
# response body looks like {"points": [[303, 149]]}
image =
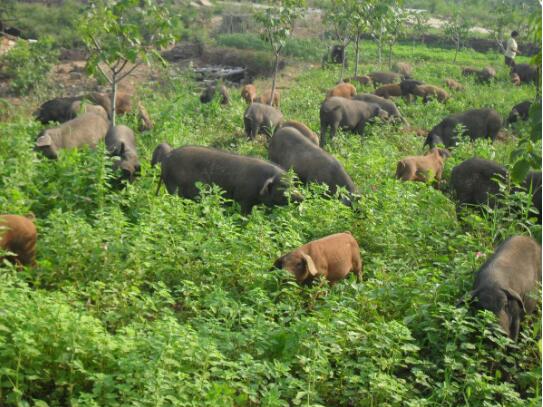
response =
{"points": [[44, 141], [267, 187], [513, 295], [310, 265], [121, 149]]}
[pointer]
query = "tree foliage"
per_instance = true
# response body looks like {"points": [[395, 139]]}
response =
{"points": [[349, 19], [360, 15], [395, 22], [456, 29], [385, 23], [277, 22], [338, 18], [420, 25], [122, 34]]}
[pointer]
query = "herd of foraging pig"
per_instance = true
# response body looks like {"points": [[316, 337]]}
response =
{"points": [[502, 285]]}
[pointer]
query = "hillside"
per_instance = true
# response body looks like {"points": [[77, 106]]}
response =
{"points": [[144, 299]]}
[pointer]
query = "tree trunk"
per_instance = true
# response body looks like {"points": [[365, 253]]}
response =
{"points": [[538, 83], [113, 98], [342, 66], [455, 54], [357, 54], [390, 56], [380, 43], [457, 42], [276, 63]]}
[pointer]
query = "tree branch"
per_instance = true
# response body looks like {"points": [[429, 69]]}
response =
{"points": [[103, 73], [96, 44], [117, 65], [122, 66], [121, 77]]}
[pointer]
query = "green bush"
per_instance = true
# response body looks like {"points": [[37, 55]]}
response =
{"points": [[28, 64], [38, 20]]}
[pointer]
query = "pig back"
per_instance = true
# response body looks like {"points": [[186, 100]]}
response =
{"points": [[334, 255], [515, 264], [86, 129], [241, 177]]}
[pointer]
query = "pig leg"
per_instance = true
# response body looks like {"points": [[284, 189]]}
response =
{"points": [[357, 268], [248, 124], [360, 127], [323, 134], [333, 130], [255, 128]]}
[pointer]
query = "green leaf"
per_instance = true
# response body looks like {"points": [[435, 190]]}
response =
{"points": [[520, 170]]}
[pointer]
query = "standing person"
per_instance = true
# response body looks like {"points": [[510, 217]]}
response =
{"points": [[511, 50]]}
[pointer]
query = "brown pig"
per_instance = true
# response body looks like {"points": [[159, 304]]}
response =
{"points": [[18, 235], [332, 257], [362, 80], [453, 85], [386, 91], [427, 92], [345, 90], [265, 98], [248, 93], [422, 168]]}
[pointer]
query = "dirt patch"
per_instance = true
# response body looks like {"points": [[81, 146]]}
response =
{"points": [[68, 78]]}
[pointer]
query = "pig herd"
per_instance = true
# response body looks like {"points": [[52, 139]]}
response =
{"points": [[503, 284]]}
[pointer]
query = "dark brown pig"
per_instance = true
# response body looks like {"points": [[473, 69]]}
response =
{"points": [[247, 180], [504, 282]]}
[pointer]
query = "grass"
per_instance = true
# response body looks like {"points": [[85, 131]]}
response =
{"points": [[152, 300], [313, 50]]}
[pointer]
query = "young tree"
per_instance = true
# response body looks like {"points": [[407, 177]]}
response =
{"points": [[123, 34], [378, 22], [277, 21], [420, 26], [457, 29], [395, 23], [336, 18], [360, 14]]}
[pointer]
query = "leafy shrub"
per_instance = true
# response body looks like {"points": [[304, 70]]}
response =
{"points": [[38, 20], [28, 64]]}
